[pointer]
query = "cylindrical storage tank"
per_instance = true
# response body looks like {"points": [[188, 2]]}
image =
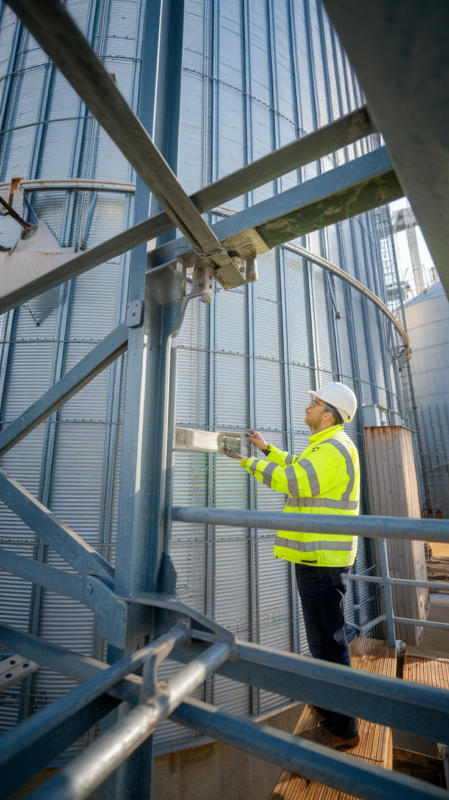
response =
{"points": [[427, 317], [256, 75]]}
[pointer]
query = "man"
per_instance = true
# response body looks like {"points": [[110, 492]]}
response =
{"points": [[323, 480]]}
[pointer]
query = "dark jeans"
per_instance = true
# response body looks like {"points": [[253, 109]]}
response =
{"points": [[322, 591]]}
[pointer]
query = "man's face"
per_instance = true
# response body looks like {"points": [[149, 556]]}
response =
{"points": [[314, 413]]}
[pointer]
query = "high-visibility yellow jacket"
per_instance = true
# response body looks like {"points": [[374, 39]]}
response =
{"points": [[323, 480]]}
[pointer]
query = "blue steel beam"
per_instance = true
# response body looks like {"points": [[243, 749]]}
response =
{"points": [[22, 762], [145, 429], [110, 348], [74, 666], [385, 701], [353, 188], [143, 464], [55, 30], [349, 775], [423, 530], [111, 248], [403, 68], [52, 531], [111, 611], [34, 743], [357, 778], [316, 145], [56, 580]]}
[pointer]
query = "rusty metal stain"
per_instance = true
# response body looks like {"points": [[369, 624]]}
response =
{"points": [[341, 205]]}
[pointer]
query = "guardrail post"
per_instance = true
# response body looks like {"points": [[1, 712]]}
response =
{"points": [[383, 555]]}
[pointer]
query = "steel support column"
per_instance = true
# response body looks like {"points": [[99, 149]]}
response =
{"points": [[140, 527], [142, 484]]}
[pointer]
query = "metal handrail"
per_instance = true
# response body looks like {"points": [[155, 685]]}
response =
{"points": [[371, 527], [376, 698], [379, 528], [71, 184], [82, 776]]}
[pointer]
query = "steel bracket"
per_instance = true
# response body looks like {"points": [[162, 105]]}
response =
{"points": [[208, 628], [134, 314], [15, 668], [111, 611], [113, 614]]}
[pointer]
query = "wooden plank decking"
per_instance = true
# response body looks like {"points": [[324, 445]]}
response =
{"points": [[430, 671], [376, 744]]}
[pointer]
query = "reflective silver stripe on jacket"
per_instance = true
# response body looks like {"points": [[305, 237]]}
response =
{"points": [[322, 502], [292, 478], [290, 458], [310, 471], [292, 481], [267, 473], [349, 465], [309, 547], [253, 466]]}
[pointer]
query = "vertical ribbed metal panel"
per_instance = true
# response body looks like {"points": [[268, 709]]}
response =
{"points": [[72, 474], [302, 378], [262, 122], [256, 75]]}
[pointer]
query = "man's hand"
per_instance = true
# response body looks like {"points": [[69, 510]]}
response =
{"points": [[256, 438], [230, 453]]}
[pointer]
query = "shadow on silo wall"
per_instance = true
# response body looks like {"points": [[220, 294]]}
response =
{"points": [[219, 771]]}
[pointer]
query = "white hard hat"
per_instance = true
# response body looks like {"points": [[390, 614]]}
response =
{"points": [[339, 396]]}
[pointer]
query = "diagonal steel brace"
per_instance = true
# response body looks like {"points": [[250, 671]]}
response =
{"points": [[325, 140], [107, 351], [282, 748], [52, 531], [55, 30]]}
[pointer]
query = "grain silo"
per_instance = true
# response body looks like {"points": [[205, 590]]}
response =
{"points": [[255, 76], [427, 317]]}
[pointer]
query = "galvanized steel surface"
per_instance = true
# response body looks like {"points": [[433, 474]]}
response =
{"points": [[68, 464], [403, 69], [369, 694], [255, 77], [427, 319]]}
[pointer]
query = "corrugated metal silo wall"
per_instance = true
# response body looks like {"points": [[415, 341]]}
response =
{"points": [[428, 325], [257, 74]]}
